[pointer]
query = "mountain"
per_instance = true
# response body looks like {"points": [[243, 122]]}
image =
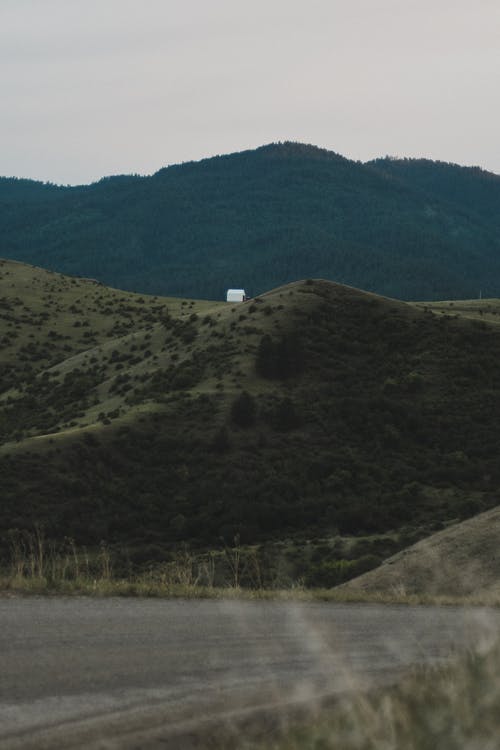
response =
{"points": [[410, 229], [472, 189], [312, 410]]}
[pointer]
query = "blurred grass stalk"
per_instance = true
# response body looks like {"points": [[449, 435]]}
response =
{"points": [[450, 707]]}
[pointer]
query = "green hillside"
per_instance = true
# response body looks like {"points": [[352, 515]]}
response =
{"points": [[312, 410], [262, 218]]}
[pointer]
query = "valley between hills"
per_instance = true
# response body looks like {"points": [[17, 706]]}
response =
{"points": [[318, 429]]}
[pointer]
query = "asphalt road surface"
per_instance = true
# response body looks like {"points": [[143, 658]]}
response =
{"points": [[145, 673]]}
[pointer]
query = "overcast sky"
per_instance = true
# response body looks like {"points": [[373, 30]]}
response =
{"points": [[98, 87]]}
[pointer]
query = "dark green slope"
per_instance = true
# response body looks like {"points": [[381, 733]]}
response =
{"points": [[470, 189], [313, 409], [259, 219]]}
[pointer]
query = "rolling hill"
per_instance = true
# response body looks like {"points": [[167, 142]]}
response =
{"points": [[462, 560], [410, 229], [313, 410]]}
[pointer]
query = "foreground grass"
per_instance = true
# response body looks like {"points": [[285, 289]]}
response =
{"points": [[157, 587], [455, 707], [36, 566]]}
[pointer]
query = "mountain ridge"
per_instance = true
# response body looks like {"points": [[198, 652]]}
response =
{"points": [[264, 217]]}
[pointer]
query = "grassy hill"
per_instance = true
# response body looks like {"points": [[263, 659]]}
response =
{"points": [[410, 229], [314, 411], [462, 560]]}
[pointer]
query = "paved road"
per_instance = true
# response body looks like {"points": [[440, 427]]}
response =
{"points": [[144, 673]]}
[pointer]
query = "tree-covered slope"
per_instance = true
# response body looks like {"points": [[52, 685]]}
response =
{"points": [[471, 189], [312, 409], [262, 218]]}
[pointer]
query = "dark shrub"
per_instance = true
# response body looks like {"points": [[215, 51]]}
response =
{"points": [[243, 410]]}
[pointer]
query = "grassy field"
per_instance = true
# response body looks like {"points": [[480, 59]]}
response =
{"points": [[485, 310]]}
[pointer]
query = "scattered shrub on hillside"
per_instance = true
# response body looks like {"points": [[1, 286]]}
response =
{"points": [[243, 410], [284, 415], [221, 442], [281, 359]]}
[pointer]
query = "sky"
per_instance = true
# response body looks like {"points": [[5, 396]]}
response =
{"points": [[90, 88]]}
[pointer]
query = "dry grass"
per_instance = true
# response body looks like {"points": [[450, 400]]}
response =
{"points": [[452, 707], [37, 565], [461, 561], [154, 584]]}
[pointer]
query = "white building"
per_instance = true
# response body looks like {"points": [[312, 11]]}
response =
{"points": [[236, 295]]}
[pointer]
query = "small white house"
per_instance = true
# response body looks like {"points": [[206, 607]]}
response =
{"points": [[236, 295]]}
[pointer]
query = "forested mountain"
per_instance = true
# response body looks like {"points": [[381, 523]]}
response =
{"points": [[470, 188], [411, 229]]}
